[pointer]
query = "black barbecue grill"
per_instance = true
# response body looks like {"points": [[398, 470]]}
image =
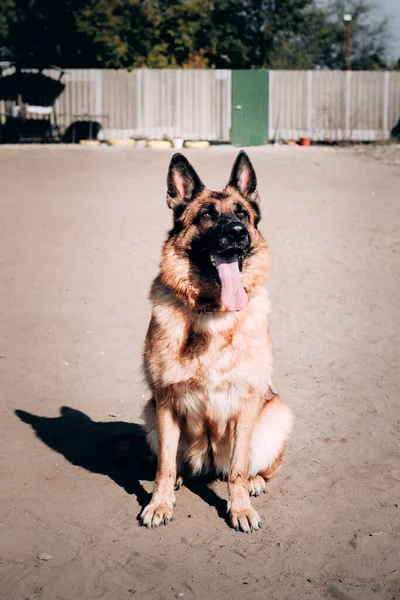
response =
{"points": [[29, 103]]}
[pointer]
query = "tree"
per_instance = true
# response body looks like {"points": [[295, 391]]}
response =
{"points": [[7, 14], [252, 33], [119, 32], [74, 33], [42, 31], [238, 34], [175, 26], [292, 34], [369, 37]]}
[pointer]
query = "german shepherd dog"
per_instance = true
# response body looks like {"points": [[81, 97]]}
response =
{"points": [[208, 357]]}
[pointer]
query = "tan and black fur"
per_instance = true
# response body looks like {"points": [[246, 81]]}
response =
{"points": [[209, 369]]}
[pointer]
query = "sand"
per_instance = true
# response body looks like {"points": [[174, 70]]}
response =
{"points": [[80, 237]]}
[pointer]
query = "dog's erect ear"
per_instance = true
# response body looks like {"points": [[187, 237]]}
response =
{"points": [[243, 177], [183, 182]]}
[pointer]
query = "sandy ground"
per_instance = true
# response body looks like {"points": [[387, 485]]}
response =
{"points": [[80, 236]]}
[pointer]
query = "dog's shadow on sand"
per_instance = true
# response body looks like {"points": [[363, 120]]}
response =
{"points": [[115, 448]]}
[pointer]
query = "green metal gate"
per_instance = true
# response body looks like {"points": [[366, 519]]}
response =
{"points": [[249, 107]]}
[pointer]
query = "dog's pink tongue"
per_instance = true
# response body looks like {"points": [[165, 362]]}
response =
{"points": [[233, 296]]}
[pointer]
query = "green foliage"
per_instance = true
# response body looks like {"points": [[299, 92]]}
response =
{"points": [[238, 34], [175, 26], [42, 31], [267, 33], [119, 32], [7, 15]]}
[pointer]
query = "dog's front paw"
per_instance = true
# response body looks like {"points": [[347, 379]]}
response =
{"points": [[156, 513], [245, 519]]}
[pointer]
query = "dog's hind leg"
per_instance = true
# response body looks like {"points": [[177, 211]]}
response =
{"points": [[276, 465], [257, 482], [178, 482], [273, 426]]}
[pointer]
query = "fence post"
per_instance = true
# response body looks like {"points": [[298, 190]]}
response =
{"points": [[178, 115], [309, 103], [385, 121], [98, 102], [271, 133], [347, 133], [139, 124]]}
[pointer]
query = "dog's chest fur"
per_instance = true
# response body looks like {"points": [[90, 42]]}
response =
{"points": [[209, 362]]}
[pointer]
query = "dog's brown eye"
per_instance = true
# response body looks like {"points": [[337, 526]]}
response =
{"points": [[242, 214], [207, 215]]}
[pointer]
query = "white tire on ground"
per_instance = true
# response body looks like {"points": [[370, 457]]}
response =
{"points": [[91, 143], [197, 144], [159, 144], [122, 143]]}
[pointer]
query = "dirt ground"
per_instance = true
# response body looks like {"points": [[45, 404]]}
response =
{"points": [[80, 237]]}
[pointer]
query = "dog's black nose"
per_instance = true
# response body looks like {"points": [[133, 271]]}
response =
{"points": [[236, 231]]}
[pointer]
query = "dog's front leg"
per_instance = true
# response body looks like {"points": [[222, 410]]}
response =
{"points": [[163, 500], [242, 515]]}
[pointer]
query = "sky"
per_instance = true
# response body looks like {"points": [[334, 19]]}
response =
{"points": [[392, 9]]}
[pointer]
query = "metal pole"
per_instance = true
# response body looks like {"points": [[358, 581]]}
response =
{"points": [[348, 45]]}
